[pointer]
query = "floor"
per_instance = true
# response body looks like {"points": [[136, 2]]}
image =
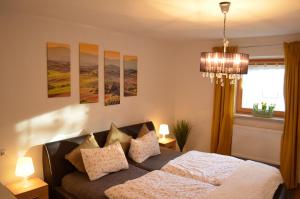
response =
{"points": [[297, 193]]}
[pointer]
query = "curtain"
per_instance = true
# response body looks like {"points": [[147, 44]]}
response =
{"points": [[291, 134], [222, 120]]}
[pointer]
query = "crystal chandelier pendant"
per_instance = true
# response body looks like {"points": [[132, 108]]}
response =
{"points": [[220, 65]]}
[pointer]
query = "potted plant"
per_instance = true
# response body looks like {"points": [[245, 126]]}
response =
{"points": [[181, 131], [265, 111]]}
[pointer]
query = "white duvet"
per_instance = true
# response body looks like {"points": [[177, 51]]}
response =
{"points": [[160, 185], [251, 180], [206, 167]]}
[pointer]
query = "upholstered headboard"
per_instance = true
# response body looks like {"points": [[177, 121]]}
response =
{"points": [[55, 166]]}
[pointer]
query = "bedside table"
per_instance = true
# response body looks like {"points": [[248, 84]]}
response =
{"points": [[5, 193], [168, 143], [34, 188]]}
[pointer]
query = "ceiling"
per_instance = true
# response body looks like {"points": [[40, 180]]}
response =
{"points": [[172, 19]]}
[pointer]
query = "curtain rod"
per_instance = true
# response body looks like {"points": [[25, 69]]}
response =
{"points": [[263, 45]]}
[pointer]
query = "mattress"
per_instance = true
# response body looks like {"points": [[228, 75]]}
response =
{"points": [[158, 161], [79, 185]]}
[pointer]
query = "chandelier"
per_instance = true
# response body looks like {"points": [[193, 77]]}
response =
{"points": [[220, 65]]}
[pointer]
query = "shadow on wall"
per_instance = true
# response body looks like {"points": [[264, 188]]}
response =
{"points": [[60, 124]]}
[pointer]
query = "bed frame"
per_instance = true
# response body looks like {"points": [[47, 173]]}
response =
{"points": [[55, 166]]}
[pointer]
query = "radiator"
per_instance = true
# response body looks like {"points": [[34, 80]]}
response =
{"points": [[256, 143]]}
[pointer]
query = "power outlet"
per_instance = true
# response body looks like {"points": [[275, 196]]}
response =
{"points": [[2, 152]]}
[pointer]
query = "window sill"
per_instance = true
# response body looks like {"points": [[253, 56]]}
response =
{"points": [[251, 117]]}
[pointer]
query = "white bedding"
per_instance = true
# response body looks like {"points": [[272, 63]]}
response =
{"points": [[160, 185], [252, 180], [206, 167]]}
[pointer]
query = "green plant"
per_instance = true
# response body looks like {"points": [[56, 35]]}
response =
{"points": [[265, 111], [181, 131], [255, 107], [264, 106], [271, 108]]}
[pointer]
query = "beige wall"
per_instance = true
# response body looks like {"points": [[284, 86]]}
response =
{"points": [[28, 118], [193, 94]]}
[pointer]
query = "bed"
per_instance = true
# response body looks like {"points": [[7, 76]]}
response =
{"points": [[66, 183], [252, 180], [77, 183]]}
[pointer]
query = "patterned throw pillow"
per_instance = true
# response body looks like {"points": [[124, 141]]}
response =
{"points": [[75, 156], [102, 161], [144, 147], [116, 135], [143, 131]]}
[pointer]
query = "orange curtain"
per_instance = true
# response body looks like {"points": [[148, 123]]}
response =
{"points": [[222, 121], [290, 141]]}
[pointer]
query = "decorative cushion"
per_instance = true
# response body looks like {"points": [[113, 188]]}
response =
{"points": [[143, 131], [102, 161], [116, 135], [144, 147], [75, 156]]}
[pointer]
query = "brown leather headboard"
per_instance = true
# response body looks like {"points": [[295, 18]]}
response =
{"points": [[55, 166]]}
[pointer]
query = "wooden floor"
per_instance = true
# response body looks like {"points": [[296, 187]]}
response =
{"points": [[297, 193]]}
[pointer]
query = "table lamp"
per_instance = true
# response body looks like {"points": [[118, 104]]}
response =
{"points": [[24, 167], [164, 130]]}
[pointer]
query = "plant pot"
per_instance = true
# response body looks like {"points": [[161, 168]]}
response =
{"points": [[263, 114]]}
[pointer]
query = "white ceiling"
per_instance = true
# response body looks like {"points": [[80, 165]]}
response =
{"points": [[172, 19]]}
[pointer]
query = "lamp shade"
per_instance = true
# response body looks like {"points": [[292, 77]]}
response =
{"points": [[164, 129], [24, 167], [224, 63]]}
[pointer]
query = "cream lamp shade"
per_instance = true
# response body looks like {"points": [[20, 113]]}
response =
{"points": [[24, 167], [164, 129]]}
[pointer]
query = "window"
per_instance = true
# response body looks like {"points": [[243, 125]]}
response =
{"points": [[263, 83]]}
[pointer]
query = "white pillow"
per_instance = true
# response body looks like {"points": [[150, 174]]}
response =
{"points": [[144, 147], [99, 162]]}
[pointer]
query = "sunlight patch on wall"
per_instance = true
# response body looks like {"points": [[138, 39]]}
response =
{"points": [[60, 124]]}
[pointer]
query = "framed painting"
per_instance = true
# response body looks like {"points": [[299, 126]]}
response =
{"points": [[88, 73], [130, 75], [58, 70], [111, 78]]}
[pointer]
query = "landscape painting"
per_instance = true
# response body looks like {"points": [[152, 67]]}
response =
{"points": [[111, 78], [130, 75], [58, 70], [88, 73]]}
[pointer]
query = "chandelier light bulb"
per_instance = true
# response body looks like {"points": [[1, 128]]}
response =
{"points": [[220, 65]]}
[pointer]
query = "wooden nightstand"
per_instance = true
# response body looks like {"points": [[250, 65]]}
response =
{"points": [[168, 143], [5, 193], [35, 188]]}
